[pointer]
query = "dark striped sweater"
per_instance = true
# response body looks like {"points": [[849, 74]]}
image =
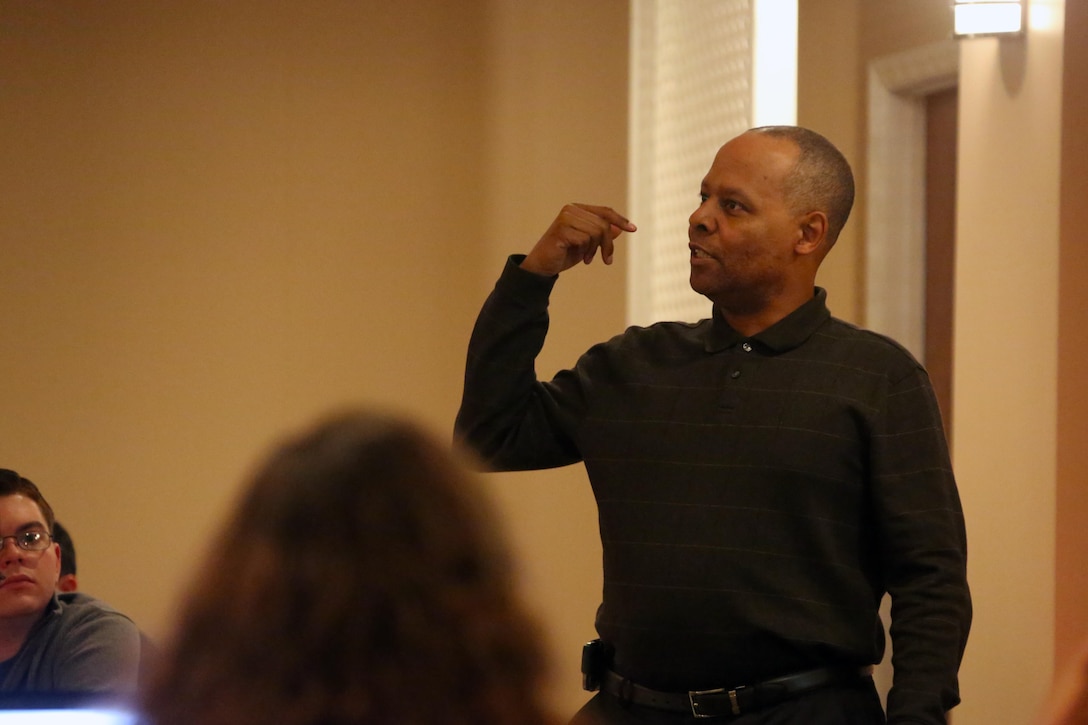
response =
{"points": [[757, 496]]}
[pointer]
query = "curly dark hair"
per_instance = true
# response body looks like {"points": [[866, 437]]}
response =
{"points": [[360, 579]]}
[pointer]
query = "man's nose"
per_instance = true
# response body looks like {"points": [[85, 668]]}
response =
{"points": [[9, 549], [700, 219]]}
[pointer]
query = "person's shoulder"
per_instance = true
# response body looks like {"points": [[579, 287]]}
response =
{"points": [[878, 348], [658, 337], [83, 607], [664, 329], [79, 600]]}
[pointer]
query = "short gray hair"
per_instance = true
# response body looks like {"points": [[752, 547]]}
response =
{"points": [[821, 179]]}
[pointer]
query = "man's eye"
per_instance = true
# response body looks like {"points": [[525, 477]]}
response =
{"points": [[31, 537], [703, 197], [731, 205]]}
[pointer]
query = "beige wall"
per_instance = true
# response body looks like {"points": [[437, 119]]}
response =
{"points": [[1007, 387], [1071, 591], [220, 219]]}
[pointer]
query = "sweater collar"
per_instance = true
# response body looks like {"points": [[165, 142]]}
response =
{"points": [[782, 336]]}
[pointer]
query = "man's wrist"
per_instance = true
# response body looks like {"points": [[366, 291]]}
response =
{"points": [[529, 265]]}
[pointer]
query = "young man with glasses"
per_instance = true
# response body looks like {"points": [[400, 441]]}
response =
{"points": [[48, 645]]}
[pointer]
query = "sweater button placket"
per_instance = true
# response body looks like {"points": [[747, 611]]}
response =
{"points": [[730, 396], [746, 347]]}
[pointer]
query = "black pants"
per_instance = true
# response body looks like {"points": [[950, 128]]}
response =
{"points": [[849, 705]]}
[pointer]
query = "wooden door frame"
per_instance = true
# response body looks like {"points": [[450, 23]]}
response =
{"points": [[895, 211]]}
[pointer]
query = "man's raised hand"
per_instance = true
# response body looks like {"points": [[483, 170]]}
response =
{"points": [[575, 236]]}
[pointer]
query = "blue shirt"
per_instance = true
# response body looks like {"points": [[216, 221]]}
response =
{"points": [[80, 645]]}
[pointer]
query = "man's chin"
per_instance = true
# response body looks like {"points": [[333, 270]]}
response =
{"points": [[712, 291], [20, 602], [700, 285]]}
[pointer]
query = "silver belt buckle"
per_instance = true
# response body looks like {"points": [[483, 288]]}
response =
{"points": [[693, 696]]}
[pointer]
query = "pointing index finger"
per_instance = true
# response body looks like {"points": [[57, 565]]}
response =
{"points": [[611, 216]]}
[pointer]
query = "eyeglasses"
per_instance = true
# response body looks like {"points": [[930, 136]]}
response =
{"points": [[32, 540]]}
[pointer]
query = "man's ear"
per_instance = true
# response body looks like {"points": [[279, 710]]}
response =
{"points": [[813, 233]]}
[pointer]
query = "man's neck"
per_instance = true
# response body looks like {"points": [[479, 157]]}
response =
{"points": [[750, 323]]}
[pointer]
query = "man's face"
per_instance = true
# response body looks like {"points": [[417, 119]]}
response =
{"points": [[29, 576], [743, 234]]}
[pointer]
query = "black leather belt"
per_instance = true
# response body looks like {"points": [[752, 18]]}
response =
{"points": [[731, 702]]}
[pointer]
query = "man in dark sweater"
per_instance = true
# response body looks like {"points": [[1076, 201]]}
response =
{"points": [[763, 477]]}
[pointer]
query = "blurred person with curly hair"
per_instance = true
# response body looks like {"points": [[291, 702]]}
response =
{"points": [[360, 579]]}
